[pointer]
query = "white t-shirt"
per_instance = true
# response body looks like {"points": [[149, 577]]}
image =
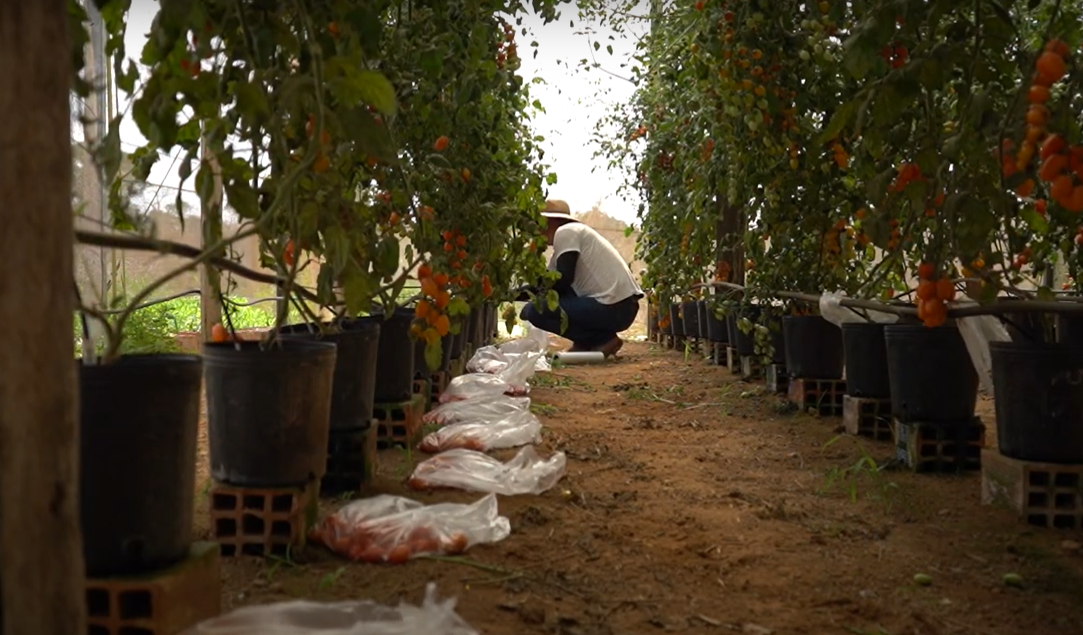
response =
{"points": [[600, 272]]}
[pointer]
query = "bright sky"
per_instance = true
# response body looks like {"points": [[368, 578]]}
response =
{"points": [[574, 101]]}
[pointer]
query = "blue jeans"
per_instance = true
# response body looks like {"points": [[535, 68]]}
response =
{"points": [[590, 323]]}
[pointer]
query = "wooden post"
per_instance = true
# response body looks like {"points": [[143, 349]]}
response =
{"points": [[210, 281], [41, 552]]}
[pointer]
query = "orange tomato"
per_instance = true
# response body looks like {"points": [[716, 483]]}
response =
{"points": [[456, 544], [1075, 200], [1026, 188], [287, 253], [1051, 68], [1038, 94], [422, 309], [945, 290], [441, 279], [926, 290], [424, 271], [440, 144], [1052, 167], [429, 287], [441, 299], [1061, 188], [1057, 47], [1040, 206], [936, 313], [399, 554], [442, 325], [1053, 144], [219, 334], [1037, 115], [460, 240], [926, 270]]}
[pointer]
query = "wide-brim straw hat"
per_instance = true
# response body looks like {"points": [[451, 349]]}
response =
{"points": [[558, 209]]}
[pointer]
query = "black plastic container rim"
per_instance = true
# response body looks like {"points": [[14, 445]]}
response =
{"points": [[913, 328], [399, 313], [287, 348], [357, 329], [143, 360], [855, 326], [1030, 348]]}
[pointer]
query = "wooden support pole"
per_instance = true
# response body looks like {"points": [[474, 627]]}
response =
{"points": [[210, 281], [41, 547]]}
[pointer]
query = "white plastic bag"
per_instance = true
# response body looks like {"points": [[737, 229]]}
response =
{"points": [[480, 386], [526, 473], [536, 341], [393, 529], [302, 617], [832, 310], [487, 359], [476, 411], [977, 332], [511, 431]]}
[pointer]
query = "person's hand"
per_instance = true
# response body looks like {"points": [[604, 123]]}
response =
{"points": [[524, 293]]}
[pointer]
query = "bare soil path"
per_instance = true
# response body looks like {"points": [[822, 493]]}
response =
{"points": [[696, 503]]}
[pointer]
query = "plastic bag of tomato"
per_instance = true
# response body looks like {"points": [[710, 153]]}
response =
{"points": [[365, 617], [512, 431], [393, 529], [525, 473], [477, 411], [480, 386]]}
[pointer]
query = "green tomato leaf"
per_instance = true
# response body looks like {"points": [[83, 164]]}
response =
{"points": [[376, 91]]}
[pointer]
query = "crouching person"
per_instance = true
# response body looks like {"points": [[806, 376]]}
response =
{"points": [[596, 288]]}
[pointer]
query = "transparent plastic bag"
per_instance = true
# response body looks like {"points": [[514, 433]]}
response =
{"points": [[477, 411], [526, 473], [832, 310], [512, 431], [394, 529], [977, 332], [481, 386], [536, 341], [302, 617]]}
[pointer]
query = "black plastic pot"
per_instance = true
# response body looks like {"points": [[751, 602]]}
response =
{"points": [[652, 319], [932, 377], [813, 347], [458, 343], [865, 354], [490, 323], [745, 343], [1069, 329], [701, 305], [731, 328], [676, 323], [1039, 401], [1024, 326], [690, 316], [394, 359], [778, 339], [421, 368], [354, 386], [717, 330], [269, 411], [474, 328], [138, 422]]}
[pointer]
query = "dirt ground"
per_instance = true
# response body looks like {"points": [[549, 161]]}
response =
{"points": [[696, 503]]}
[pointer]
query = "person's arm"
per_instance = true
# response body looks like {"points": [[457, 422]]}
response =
{"points": [[566, 268]]}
